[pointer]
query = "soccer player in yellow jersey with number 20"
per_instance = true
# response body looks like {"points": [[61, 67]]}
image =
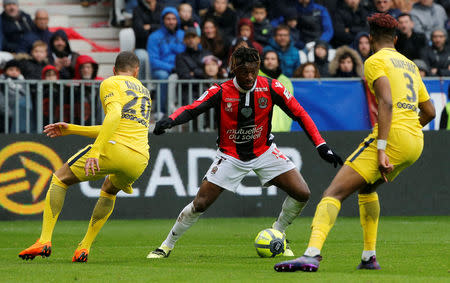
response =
{"points": [[120, 153], [395, 143]]}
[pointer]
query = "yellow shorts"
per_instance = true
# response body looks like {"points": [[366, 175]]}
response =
{"points": [[121, 163], [403, 149]]}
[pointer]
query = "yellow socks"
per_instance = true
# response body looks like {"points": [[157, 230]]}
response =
{"points": [[54, 202], [369, 213], [101, 213], [326, 214]]}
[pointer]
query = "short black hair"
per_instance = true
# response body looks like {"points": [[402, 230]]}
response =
{"points": [[126, 61], [404, 15], [259, 5], [244, 55]]}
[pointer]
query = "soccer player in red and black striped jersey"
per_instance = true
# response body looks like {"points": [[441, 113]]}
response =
{"points": [[243, 108]]}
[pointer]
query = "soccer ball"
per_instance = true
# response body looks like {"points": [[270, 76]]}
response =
{"points": [[270, 243]]}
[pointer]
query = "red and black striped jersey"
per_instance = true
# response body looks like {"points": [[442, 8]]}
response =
{"points": [[244, 117]]}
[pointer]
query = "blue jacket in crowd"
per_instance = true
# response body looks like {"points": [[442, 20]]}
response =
{"points": [[163, 45], [314, 22], [289, 59]]}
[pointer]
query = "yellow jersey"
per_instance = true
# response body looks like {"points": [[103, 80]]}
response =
{"points": [[407, 88], [136, 107]]}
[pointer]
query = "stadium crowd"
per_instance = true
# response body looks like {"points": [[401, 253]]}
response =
{"points": [[194, 39]]}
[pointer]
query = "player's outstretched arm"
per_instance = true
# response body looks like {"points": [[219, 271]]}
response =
{"points": [[382, 90], [63, 129], [427, 112]]}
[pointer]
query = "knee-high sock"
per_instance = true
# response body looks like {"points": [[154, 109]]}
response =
{"points": [[185, 220], [324, 219], [369, 213], [54, 202], [289, 211], [100, 215]]}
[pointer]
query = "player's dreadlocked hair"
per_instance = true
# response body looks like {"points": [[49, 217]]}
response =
{"points": [[244, 55], [382, 26]]}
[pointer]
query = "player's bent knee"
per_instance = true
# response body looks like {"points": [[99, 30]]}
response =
{"points": [[200, 204], [66, 175]]}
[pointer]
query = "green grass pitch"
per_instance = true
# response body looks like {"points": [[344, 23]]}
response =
{"points": [[410, 249]]}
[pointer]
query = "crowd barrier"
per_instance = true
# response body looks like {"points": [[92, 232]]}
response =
{"points": [[334, 104], [177, 166]]}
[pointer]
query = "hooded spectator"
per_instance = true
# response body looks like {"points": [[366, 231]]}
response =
{"points": [[288, 54], [362, 45], [224, 17], [246, 31], [61, 55], [15, 24], [86, 68], [346, 63]]}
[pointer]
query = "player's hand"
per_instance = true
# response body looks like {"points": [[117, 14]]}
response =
{"points": [[384, 165], [162, 125], [91, 165], [328, 155], [54, 130]]}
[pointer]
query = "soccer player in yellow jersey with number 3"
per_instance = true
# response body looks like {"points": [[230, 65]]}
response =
{"points": [[120, 152], [395, 143]]}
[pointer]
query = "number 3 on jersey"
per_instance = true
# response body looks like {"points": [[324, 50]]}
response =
{"points": [[144, 108], [410, 86]]}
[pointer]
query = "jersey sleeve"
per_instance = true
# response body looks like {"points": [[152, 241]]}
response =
{"points": [[109, 92], [423, 92], [373, 69], [208, 99], [287, 102]]}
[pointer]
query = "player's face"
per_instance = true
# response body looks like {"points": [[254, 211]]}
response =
{"points": [[246, 75], [210, 30], [309, 72], [170, 21], [271, 61]]}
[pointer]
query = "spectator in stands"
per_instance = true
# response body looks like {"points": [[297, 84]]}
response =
{"points": [[40, 31], [307, 70], [290, 20], [270, 68], [245, 31], [189, 64], [50, 90], [437, 56], [199, 6], [261, 24], [212, 67], [346, 63], [243, 8], [188, 19], [428, 16], [213, 41], [86, 68], [409, 42], [15, 24], [163, 45], [61, 55], [224, 17], [423, 67], [288, 54], [362, 45], [16, 92], [321, 57], [386, 6], [146, 19], [349, 19], [314, 22], [32, 67]]}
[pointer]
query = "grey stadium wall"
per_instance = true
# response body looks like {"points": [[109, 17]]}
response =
{"points": [[179, 161]]}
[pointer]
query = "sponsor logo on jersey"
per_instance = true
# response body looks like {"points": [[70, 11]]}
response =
{"points": [[229, 107], [259, 89], [278, 84], [203, 96], [245, 134], [232, 99], [262, 102], [108, 95], [287, 94]]}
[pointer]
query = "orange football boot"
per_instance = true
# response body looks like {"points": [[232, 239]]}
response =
{"points": [[38, 248], [81, 255]]}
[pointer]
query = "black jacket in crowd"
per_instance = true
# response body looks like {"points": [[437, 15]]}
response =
{"points": [[32, 69], [262, 32], [190, 61], [143, 15], [14, 30], [437, 59], [343, 18], [411, 47], [226, 22], [66, 72]]}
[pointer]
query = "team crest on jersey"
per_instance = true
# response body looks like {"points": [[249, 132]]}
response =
{"points": [[262, 102], [214, 170], [229, 107]]}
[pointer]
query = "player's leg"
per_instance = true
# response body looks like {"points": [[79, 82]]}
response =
{"points": [[54, 201], [369, 213], [207, 195], [346, 182], [100, 214]]}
